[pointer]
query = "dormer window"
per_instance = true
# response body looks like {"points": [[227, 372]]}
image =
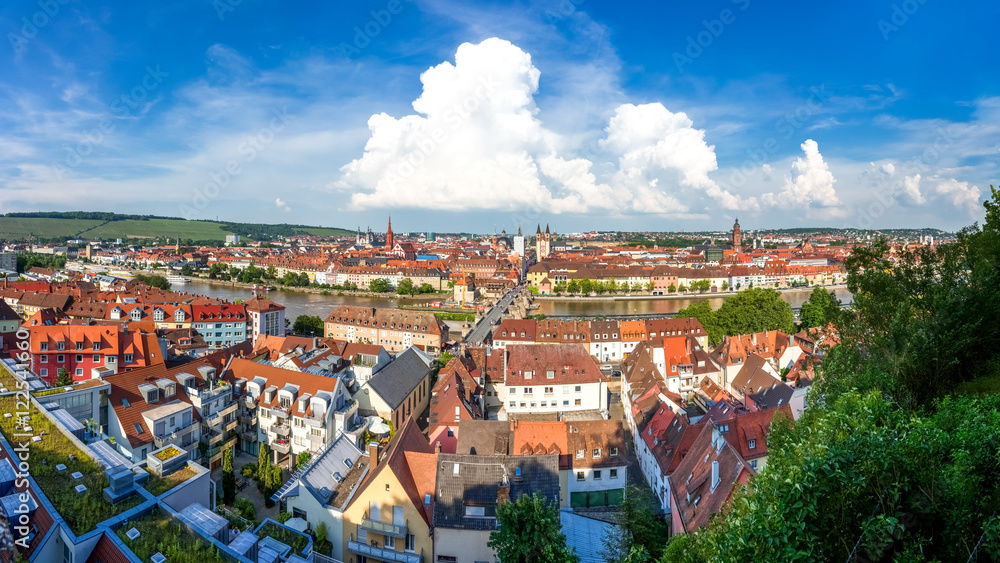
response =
{"points": [[79, 345], [752, 444], [60, 345], [136, 314], [44, 346], [97, 346]]}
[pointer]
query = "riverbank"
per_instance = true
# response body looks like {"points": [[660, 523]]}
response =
{"points": [[689, 295], [313, 290]]}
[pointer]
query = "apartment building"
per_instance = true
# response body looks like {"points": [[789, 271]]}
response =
{"points": [[540, 378], [393, 329]]}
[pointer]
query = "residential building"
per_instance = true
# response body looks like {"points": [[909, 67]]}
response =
{"points": [[542, 378], [457, 396], [399, 390], [469, 490], [265, 318], [82, 348], [221, 326], [294, 411], [390, 516], [393, 329]]}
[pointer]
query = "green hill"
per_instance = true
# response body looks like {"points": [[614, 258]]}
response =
{"points": [[22, 225]]}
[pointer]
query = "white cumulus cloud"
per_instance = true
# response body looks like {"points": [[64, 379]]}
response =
{"points": [[476, 142], [960, 194], [810, 184], [281, 204], [911, 188]]}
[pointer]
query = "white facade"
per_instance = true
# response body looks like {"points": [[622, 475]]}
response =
{"points": [[550, 397]]}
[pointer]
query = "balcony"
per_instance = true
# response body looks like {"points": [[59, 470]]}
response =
{"points": [[281, 447], [208, 395], [384, 528], [219, 415], [345, 414], [249, 402], [213, 438], [215, 454], [279, 412], [175, 437], [231, 425], [381, 554], [249, 435], [280, 429]]}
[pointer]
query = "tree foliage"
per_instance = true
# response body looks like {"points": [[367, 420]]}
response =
{"points": [[822, 307], [308, 324], [29, 260], [640, 531], [154, 280], [63, 378], [529, 531], [750, 311], [380, 285], [228, 477]]}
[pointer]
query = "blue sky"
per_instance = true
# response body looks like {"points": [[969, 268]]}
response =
{"points": [[461, 116]]}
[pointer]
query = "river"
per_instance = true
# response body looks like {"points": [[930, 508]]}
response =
{"points": [[299, 303]]}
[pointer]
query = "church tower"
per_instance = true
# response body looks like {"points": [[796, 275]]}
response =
{"points": [[737, 237], [388, 236]]}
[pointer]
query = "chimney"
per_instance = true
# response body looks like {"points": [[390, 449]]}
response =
{"points": [[753, 338], [715, 475], [372, 457]]}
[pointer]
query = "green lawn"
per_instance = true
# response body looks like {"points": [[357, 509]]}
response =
{"points": [[81, 513], [291, 538], [161, 534], [159, 485]]}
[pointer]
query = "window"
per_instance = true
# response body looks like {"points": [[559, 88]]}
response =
{"points": [[597, 453], [411, 543], [723, 428], [79, 345], [125, 403], [753, 464], [43, 346], [43, 372], [548, 390], [578, 388], [60, 358], [127, 358], [565, 403], [580, 476], [614, 452], [138, 428], [390, 542], [60, 345], [44, 359], [79, 371], [614, 473], [527, 391], [752, 444], [579, 454], [427, 498], [79, 358], [577, 402], [97, 358], [597, 475]]}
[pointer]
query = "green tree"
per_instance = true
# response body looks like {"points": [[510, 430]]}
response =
{"points": [[228, 477], [264, 468], [639, 530], [529, 532], [186, 270], [681, 288], [559, 288], [271, 273], [573, 286], [725, 286], [650, 286], [821, 308], [672, 289], [157, 281], [426, 288], [533, 290], [405, 287], [303, 280], [755, 310], [379, 285], [702, 311], [302, 460], [308, 324], [586, 286], [63, 378]]}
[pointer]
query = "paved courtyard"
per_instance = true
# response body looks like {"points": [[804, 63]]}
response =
{"points": [[250, 490]]}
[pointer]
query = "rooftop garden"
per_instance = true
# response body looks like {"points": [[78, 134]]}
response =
{"points": [[7, 379], [82, 513], [158, 533], [167, 453], [297, 541], [54, 391], [156, 485]]}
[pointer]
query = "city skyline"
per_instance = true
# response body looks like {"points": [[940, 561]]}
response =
{"points": [[579, 114]]}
